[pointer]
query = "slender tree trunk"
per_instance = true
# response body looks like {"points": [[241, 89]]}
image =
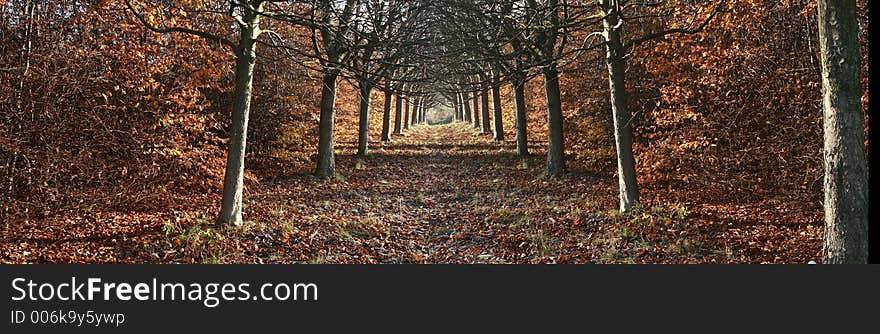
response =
{"points": [[461, 108], [519, 98], [233, 179], [365, 90], [555, 145], [487, 125], [465, 99], [456, 110], [415, 113], [398, 114], [626, 171], [846, 183], [412, 111], [406, 113], [29, 8], [496, 100], [386, 116], [476, 119], [326, 155]]}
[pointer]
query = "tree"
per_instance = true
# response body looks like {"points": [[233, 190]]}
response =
{"points": [[374, 21], [465, 101], [335, 48], [386, 113], [247, 15], [487, 128], [518, 84], [613, 23], [496, 100], [406, 109], [846, 184], [549, 36], [477, 111], [626, 165], [398, 116]]}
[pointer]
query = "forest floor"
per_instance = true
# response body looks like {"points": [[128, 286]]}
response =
{"points": [[436, 194]]}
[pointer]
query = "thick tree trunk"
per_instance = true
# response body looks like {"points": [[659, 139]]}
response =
{"points": [[626, 170], [467, 106], [555, 145], [846, 184], [233, 180], [519, 98], [365, 90], [386, 116], [326, 155], [476, 120], [398, 114], [496, 100], [487, 126]]}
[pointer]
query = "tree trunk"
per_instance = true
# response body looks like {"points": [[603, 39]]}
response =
{"points": [[406, 113], [420, 111], [467, 106], [555, 145], [626, 170], [233, 180], [496, 100], [412, 112], [487, 126], [398, 121], [326, 159], [519, 97], [386, 116], [364, 121], [415, 114], [846, 184], [29, 8], [476, 115], [456, 108]]}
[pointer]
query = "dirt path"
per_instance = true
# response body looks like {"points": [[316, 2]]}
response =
{"points": [[445, 194], [472, 200], [436, 194]]}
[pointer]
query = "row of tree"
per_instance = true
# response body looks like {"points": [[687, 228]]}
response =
{"points": [[461, 50]]}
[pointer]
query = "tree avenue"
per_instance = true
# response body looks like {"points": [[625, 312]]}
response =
{"points": [[411, 45], [520, 76]]}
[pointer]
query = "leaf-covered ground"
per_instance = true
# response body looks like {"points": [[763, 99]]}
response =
{"points": [[437, 194]]}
